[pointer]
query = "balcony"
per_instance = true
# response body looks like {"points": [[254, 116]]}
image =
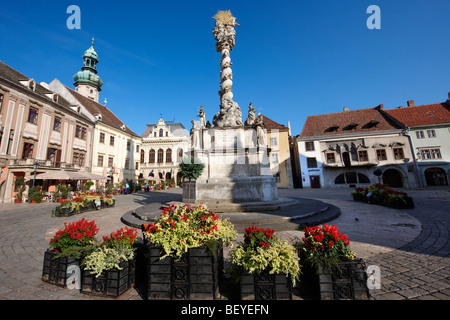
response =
{"points": [[28, 163]]}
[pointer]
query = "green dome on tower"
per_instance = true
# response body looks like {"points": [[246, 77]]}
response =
{"points": [[88, 73]]}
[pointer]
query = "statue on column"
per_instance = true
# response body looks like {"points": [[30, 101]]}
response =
{"points": [[230, 113]]}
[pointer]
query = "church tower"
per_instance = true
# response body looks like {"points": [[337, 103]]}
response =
{"points": [[86, 81]]}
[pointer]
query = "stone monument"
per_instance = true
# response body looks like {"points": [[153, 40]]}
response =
{"points": [[237, 175]]}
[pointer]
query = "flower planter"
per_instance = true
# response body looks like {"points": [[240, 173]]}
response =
{"points": [[194, 277], [111, 283], [54, 269], [265, 286], [346, 281], [64, 212], [17, 200]]}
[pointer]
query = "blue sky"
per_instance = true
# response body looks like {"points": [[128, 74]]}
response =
{"points": [[292, 58]]}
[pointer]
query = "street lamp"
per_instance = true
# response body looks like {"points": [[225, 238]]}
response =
{"points": [[35, 165]]}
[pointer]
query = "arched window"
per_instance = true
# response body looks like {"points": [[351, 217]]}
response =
{"points": [[151, 156], [160, 156], [161, 132], [339, 179], [169, 155], [142, 156], [179, 155]]}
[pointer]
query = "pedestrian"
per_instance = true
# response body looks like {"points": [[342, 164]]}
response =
{"points": [[127, 188]]}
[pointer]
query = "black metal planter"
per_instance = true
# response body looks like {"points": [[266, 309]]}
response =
{"points": [[265, 286], [111, 283], [345, 281], [194, 277], [57, 270]]}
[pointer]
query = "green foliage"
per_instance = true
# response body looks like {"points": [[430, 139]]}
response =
{"points": [[106, 258], [260, 251], [324, 245], [19, 187], [36, 194], [191, 168], [182, 227], [384, 195]]}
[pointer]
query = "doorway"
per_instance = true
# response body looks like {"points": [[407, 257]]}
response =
{"points": [[314, 181], [436, 177], [393, 178]]}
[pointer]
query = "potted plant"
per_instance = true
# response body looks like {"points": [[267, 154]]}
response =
{"points": [[67, 247], [78, 204], [62, 192], [183, 238], [264, 266], [36, 194], [19, 188], [331, 269], [191, 168], [110, 268], [64, 209]]}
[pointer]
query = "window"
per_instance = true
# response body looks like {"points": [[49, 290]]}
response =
{"points": [[311, 162], [110, 162], [137, 148], [179, 155], [27, 151], [160, 156], [381, 155], [78, 159], [136, 165], [420, 135], [273, 141], [1, 101], [161, 132], [111, 141], [309, 146], [430, 154], [57, 124], [151, 156], [80, 132], [274, 157], [127, 163], [362, 155], [128, 145], [331, 158], [431, 133], [142, 156], [169, 155], [100, 161], [351, 178], [436, 154], [398, 154], [33, 115], [102, 137]]}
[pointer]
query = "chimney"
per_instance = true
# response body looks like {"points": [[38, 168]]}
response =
{"points": [[381, 107], [410, 103], [345, 108]]}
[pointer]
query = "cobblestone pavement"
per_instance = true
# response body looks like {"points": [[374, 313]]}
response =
{"points": [[410, 246]]}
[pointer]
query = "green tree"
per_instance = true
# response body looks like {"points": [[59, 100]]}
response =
{"points": [[191, 168]]}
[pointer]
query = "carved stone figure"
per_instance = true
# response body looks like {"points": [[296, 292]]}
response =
{"points": [[251, 115], [201, 116]]}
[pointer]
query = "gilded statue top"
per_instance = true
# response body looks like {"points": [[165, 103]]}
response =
{"points": [[225, 17]]}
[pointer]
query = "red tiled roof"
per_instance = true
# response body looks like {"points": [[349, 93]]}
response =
{"points": [[428, 114], [95, 108], [361, 120], [270, 124]]}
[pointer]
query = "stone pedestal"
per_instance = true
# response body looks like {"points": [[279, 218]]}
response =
{"points": [[237, 169]]}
